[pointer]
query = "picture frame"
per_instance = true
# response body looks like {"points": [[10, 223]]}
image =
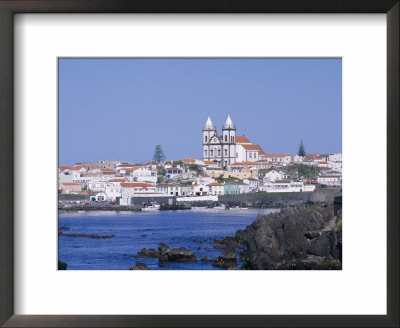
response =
{"points": [[7, 10]]}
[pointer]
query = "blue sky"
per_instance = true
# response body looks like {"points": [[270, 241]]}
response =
{"points": [[121, 109]]}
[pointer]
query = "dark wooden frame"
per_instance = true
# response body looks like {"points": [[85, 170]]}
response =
{"points": [[7, 10]]}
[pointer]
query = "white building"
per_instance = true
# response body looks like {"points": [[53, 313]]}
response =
{"points": [[172, 173], [273, 176], [204, 179], [335, 157], [253, 183], [215, 188], [287, 186], [140, 174], [173, 189], [284, 159], [330, 180], [132, 189], [113, 188], [199, 190]]}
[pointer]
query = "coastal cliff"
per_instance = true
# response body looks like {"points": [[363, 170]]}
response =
{"points": [[297, 238]]}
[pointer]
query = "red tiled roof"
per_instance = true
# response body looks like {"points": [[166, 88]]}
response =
{"points": [[117, 180], [208, 162], [131, 169], [189, 160], [136, 185], [92, 166], [277, 155], [64, 167], [251, 147], [70, 184], [246, 163], [107, 170], [77, 168], [214, 184], [242, 139]]}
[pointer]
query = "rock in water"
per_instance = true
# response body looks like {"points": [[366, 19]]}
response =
{"points": [[163, 249], [181, 255], [62, 265], [176, 254], [140, 266], [227, 259], [148, 253]]}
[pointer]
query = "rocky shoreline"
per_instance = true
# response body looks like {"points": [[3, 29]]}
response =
{"points": [[300, 238]]}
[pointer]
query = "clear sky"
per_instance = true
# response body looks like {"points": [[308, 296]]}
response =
{"points": [[120, 109]]}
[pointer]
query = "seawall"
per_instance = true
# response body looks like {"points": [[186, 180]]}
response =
{"points": [[264, 199]]}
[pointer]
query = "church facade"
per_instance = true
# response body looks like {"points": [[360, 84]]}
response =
{"points": [[227, 148]]}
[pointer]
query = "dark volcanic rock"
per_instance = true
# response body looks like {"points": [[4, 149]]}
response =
{"points": [[144, 235], [228, 258], [63, 228], [163, 249], [204, 258], [224, 243], [177, 254], [295, 238], [148, 253], [140, 266], [181, 255], [62, 265]]}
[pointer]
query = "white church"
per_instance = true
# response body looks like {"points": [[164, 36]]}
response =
{"points": [[228, 148]]}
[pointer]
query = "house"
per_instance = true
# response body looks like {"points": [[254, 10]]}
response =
{"points": [[330, 180], [113, 188], [70, 188], [215, 188], [253, 183], [140, 174], [204, 179], [287, 186], [273, 176], [132, 189], [173, 173], [284, 159], [236, 188], [335, 157], [173, 189], [96, 184], [65, 176], [199, 190]]}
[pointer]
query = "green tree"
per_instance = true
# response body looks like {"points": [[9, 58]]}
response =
{"points": [[301, 151], [159, 154]]}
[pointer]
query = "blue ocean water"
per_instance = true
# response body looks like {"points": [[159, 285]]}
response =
{"points": [[133, 231]]}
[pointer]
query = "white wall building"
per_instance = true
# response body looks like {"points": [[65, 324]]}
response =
{"points": [[330, 180], [273, 175], [141, 174], [215, 188], [286, 186], [132, 189]]}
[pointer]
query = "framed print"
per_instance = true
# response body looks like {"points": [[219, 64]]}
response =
{"points": [[115, 111]]}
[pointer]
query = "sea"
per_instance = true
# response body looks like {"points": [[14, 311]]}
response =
{"points": [[194, 229]]}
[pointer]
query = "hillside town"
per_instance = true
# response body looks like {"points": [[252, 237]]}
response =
{"points": [[230, 164]]}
